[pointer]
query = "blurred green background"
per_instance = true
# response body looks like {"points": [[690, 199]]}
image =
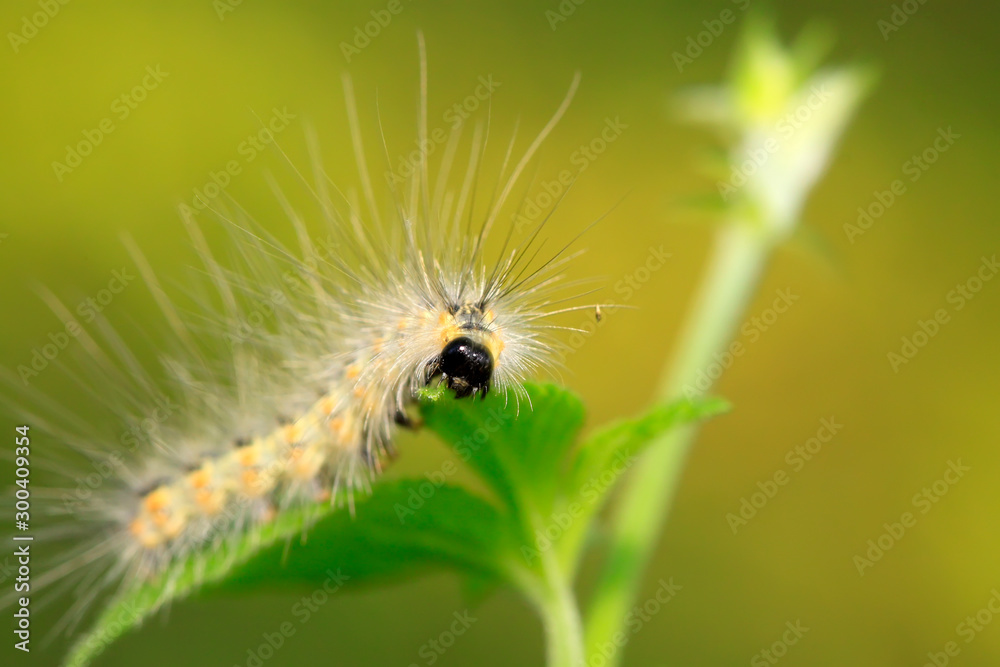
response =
{"points": [[825, 358]]}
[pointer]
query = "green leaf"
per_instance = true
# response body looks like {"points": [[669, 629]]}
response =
{"points": [[600, 464], [523, 449], [401, 528], [605, 450], [551, 484], [519, 446]]}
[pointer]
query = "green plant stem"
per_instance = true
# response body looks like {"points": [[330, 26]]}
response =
{"points": [[560, 614], [739, 255]]}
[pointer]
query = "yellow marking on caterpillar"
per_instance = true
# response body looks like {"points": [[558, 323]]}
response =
{"points": [[199, 478], [209, 501], [306, 463], [156, 500], [174, 527], [346, 436], [301, 448], [248, 455], [494, 343], [149, 539], [249, 479], [450, 333]]}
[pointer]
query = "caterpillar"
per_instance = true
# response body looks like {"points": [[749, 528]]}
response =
{"points": [[300, 403]]}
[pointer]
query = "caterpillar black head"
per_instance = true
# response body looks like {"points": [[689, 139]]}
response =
{"points": [[465, 365]]}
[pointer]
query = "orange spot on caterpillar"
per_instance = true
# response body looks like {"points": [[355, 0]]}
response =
{"points": [[250, 478], [156, 500], [174, 527], [298, 417], [156, 505], [208, 501], [306, 470], [148, 539], [199, 479], [248, 456], [160, 518]]}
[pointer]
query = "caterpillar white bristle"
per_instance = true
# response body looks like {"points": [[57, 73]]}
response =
{"points": [[267, 416]]}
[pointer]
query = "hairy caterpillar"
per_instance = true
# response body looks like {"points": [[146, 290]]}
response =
{"points": [[303, 407]]}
